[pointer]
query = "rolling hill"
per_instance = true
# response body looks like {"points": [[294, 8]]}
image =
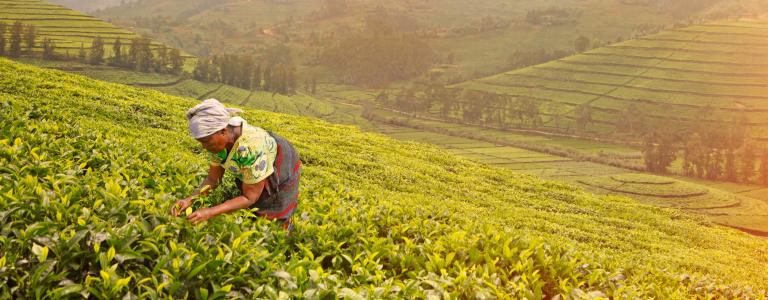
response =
{"points": [[716, 205], [471, 38], [90, 5], [90, 168], [676, 74], [67, 28]]}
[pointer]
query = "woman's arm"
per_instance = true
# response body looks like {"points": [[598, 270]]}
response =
{"points": [[215, 173], [251, 193]]}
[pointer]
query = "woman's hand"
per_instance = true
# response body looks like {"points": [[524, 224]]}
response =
{"points": [[201, 215], [180, 206]]}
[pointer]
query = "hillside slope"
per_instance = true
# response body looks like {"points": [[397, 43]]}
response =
{"points": [[88, 170], [676, 74], [90, 5], [67, 28], [478, 36]]}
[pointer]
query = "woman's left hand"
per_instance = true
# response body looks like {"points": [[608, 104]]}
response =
{"points": [[201, 215]]}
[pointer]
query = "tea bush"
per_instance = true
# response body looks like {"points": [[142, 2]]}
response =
{"points": [[89, 170]]}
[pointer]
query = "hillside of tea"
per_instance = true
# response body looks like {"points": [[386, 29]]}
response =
{"points": [[712, 73], [88, 171]]}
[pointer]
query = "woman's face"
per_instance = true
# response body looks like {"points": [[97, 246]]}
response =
{"points": [[216, 142]]}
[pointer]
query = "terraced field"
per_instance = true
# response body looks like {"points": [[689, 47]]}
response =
{"points": [[66, 27], [736, 205], [671, 74]]}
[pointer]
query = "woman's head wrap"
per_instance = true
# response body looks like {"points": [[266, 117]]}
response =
{"points": [[209, 117]]}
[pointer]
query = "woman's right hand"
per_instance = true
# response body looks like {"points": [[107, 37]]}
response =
{"points": [[180, 206]]}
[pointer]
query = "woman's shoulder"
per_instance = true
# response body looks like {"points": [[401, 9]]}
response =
{"points": [[254, 136]]}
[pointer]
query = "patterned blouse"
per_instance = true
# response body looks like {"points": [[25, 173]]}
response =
{"points": [[252, 156]]}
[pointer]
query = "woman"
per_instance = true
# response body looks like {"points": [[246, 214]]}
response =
{"points": [[266, 167]]}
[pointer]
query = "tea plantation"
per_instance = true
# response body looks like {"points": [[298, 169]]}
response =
{"points": [[88, 171], [676, 73]]}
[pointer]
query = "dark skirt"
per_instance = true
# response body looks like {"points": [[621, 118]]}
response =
{"points": [[280, 196]]}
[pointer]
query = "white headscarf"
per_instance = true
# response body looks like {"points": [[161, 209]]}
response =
{"points": [[209, 117]]}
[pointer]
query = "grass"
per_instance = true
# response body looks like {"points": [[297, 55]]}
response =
{"points": [[706, 198], [68, 28], [412, 204]]}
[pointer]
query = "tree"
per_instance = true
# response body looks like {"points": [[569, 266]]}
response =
{"points": [[161, 60], [201, 71], [470, 110], [81, 56], [693, 156], [659, 150], [448, 102], [133, 53], [764, 168], [267, 78], [382, 98], [581, 44], [715, 164], [49, 48], [748, 160], [2, 38], [15, 47], [244, 71], [290, 79], [279, 79], [117, 50], [97, 51], [731, 174], [143, 55], [29, 38], [177, 62], [256, 78]]}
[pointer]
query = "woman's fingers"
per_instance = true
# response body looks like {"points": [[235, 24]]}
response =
{"points": [[193, 217], [199, 216], [180, 206], [175, 209]]}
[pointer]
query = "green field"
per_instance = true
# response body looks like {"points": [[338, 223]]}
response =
{"points": [[297, 104], [67, 28], [452, 27], [721, 64], [489, 146], [378, 218], [742, 206]]}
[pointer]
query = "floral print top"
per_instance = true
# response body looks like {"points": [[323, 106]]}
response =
{"points": [[252, 156]]}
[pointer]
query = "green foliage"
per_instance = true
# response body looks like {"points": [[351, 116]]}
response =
{"points": [[97, 51], [378, 56], [49, 49], [30, 34], [581, 44], [15, 46], [88, 171], [3, 40]]}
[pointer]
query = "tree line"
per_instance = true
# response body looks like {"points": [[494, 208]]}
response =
{"points": [[488, 109], [709, 148], [135, 55], [245, 72]]}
